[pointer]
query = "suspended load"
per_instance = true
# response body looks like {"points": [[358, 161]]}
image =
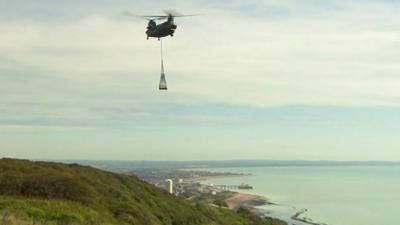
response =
{"points": [[163, 81]]}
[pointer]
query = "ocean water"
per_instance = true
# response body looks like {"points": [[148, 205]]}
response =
{"points": [[358, 195]]}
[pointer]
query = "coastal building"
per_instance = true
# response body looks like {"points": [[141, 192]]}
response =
{"points": [[170, 186]]}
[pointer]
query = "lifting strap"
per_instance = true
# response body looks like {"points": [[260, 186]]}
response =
{"points": [[161, 50]]}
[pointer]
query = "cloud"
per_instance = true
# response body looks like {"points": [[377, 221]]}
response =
{"points": [[254, 54]]}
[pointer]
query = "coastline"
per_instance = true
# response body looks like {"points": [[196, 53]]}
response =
{"points": [[253, 202]]}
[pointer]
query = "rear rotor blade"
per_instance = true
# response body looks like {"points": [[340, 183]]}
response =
{"points": [[173, 13], [188, 15], [158, 17]]}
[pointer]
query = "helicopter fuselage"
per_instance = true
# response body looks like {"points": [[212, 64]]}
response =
{"points": [[160, 30]]}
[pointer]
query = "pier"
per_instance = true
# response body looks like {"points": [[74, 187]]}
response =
{"points": [[304, 219], [234, 187]]}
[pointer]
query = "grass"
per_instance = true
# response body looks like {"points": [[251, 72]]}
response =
{"points": [[69, 194]]}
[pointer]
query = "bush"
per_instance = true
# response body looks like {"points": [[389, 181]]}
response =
{"points": [[220, 203]]}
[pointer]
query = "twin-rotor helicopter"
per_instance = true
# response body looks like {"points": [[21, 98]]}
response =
{"points": [[164, 29]]}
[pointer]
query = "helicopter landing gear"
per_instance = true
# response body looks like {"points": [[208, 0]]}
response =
{"points": [[172, 35], [158, 39], [147, 37]]}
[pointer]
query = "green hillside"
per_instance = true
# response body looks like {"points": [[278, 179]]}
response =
{"points": [[54, 193]]}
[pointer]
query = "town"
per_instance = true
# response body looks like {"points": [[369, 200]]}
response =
{"points": [[189, 184]]}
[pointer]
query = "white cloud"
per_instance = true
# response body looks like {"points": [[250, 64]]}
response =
{"points": [[273, 53]]}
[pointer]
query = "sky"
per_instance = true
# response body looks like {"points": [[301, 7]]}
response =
{"points": [[256, 79]]}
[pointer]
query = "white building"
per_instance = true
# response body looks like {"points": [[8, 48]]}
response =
{"points": [[170, 186]]}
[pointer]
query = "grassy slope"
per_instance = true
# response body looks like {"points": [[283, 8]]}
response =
{"points": [[72, 194]]}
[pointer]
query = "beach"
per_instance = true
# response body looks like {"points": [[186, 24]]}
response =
{"points": [[243, 199]]}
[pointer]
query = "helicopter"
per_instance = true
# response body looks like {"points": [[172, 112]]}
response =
{"points": [[164, 29]]}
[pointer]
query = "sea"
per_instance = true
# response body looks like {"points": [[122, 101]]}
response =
{"points": [[333, 195]]}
